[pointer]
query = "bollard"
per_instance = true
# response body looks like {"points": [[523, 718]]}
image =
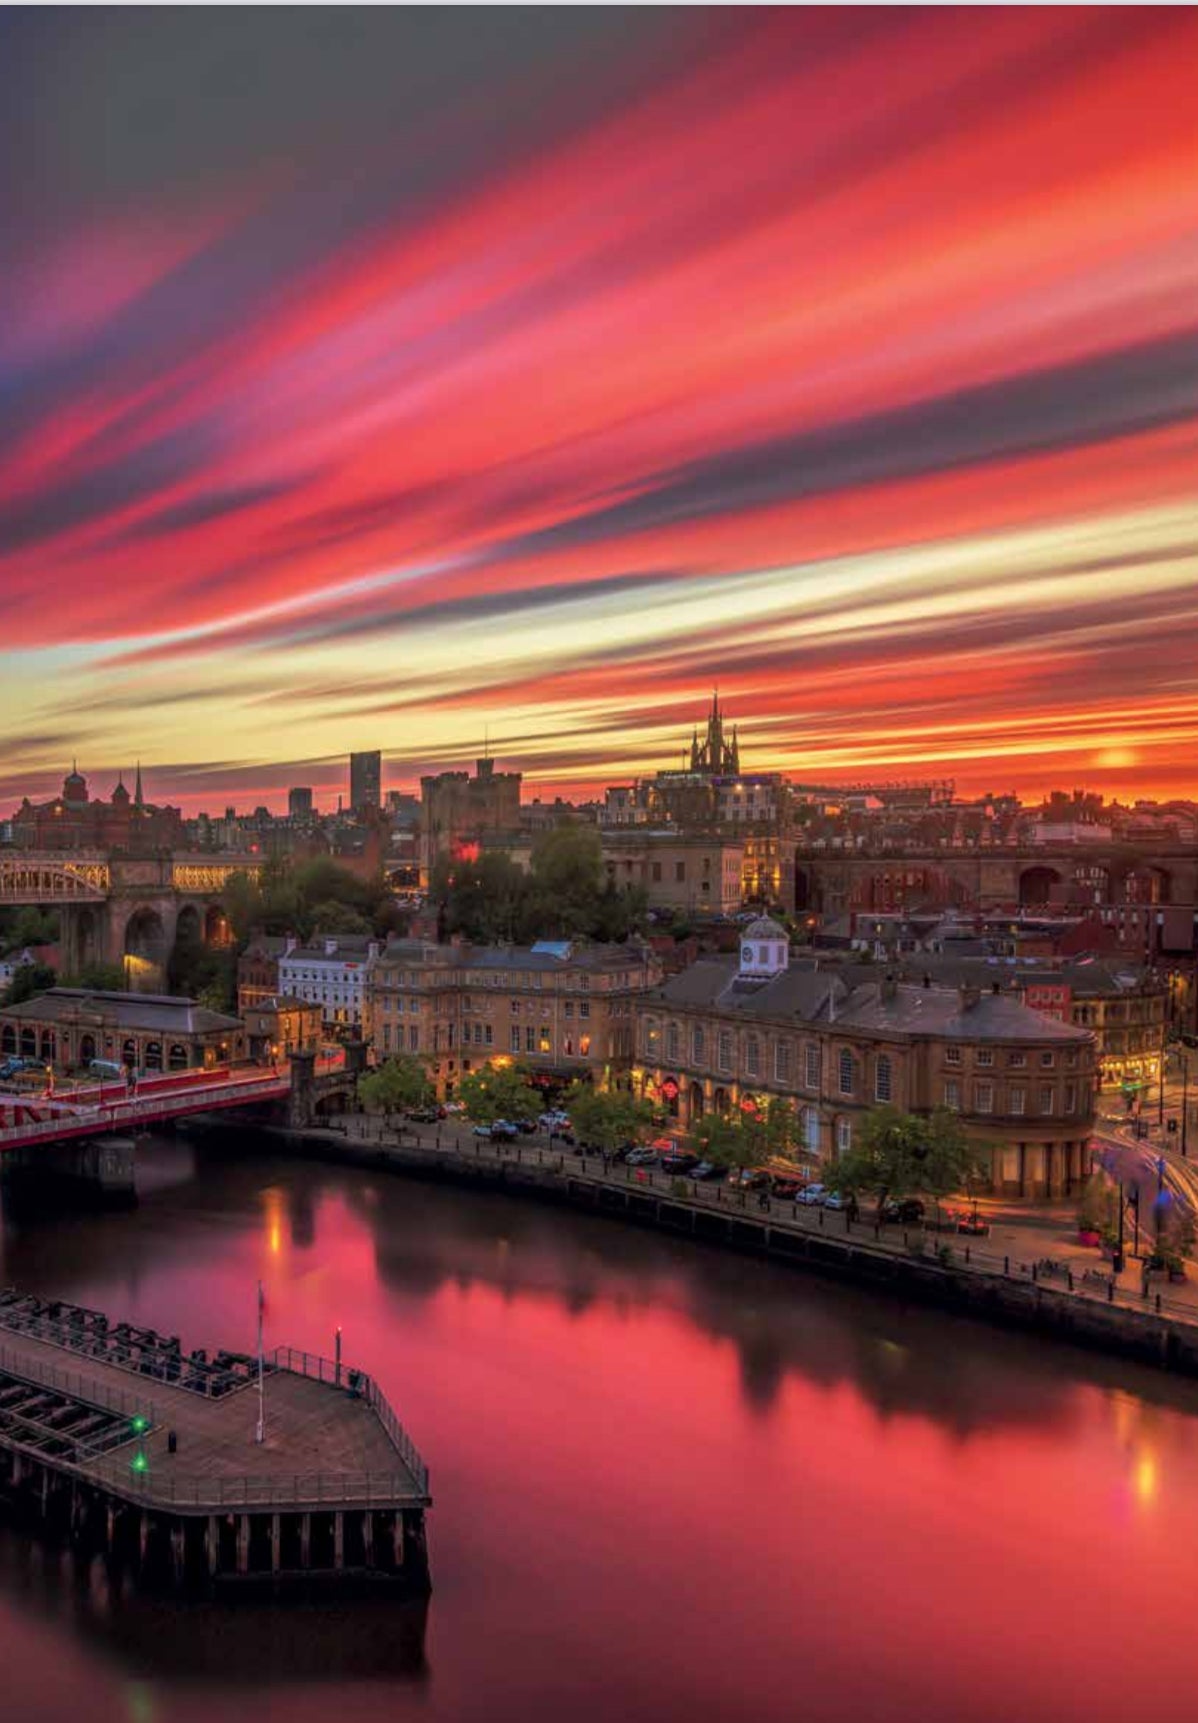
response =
{"points": [[1070, 1273], [821, 1217], [877, 1230], [1035, 1274], [967, 1253], [1158, 1303], [1110, 1290], [1006, 1265], [848, 1221]]}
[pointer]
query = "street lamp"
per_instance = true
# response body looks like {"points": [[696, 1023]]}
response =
{"points": [[1185, 1096]]}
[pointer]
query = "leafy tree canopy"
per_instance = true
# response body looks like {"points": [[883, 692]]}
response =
{"points": [[30, 980], [498, 1092], [397, 1086], [565, 893], [901, 1154], [607, 1118]]}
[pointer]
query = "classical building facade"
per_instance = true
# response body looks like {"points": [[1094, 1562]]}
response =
{"points": [[729, 1031], [277, 1027], [75, 820], [331, 973], [677, 872], [68, 1027], [564, 1010]]}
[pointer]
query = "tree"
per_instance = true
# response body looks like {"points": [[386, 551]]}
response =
{"points": [[730, 1140], [606, 1119], [30, 980], [905, 1154], [398, 1086], [498, 1092], [101, 978], [334, 917]]}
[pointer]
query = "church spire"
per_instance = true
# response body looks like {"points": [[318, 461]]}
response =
{"points": [[138, 799]]}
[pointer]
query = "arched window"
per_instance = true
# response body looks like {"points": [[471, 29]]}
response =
{"points": [[177, 1057], [882, 1078], [697, 1044], [811, 1130], [652, 1037], [153, 1055], [845, 1068], [8, 1039], [673, 1043], [47, 1048], [29, 1043], [844, 1135], [129, 1052]]}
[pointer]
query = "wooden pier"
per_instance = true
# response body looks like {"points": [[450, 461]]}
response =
{"points": [[116, 1440]]}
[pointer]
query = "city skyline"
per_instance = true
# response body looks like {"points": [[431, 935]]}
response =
{"points": [[431, 375]]}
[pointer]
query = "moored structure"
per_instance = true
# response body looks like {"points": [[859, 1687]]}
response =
{"points": [[114, 1439]]}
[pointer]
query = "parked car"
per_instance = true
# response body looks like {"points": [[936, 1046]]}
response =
{"points": [[14, 1067], [554, 1120], [786, 1189], [748, 1178], [678, 1161], [453, 1107], [641, 1157], [704, 1170], [906, 1211], [835, 1200], [503, 1131], [975, 1226], [811, 1196], [483, 1130], [526, 1127], [424, 1115]]}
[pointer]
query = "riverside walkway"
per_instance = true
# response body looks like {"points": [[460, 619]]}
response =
{"points": [[1030, 1260]]}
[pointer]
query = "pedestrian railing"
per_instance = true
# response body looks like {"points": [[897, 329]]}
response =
{"points": [[886, 1241], [111, 1114], [141, 1480], [76, 1386], [341, 1375]]}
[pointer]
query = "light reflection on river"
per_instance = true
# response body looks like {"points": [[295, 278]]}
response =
{"points": [[669, 1483]]}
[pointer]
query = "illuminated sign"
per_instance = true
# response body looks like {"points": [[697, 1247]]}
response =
{"points": [[669, 1089]]}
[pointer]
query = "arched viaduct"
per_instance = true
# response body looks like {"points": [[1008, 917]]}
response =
{"points": [[126, 910], [1041, 877]]}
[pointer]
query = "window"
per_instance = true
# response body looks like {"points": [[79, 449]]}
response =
{"points": [[952, 1094], [752, 1055], [811, 1129], [844, 1135], [673, 1042], [544, 1041], [985, 1056], [1017, 1060], [697, 1048], [782, 1061], [413, 1037], [584, 1045], [652, 1037], [844, 1066], [487, 1036], [725, 1050], [1018, 1103], [983, 1097], [515, 1007], [1071, 1097], [812, 1063], [1047, 1061], [656, 870], [515, 1038], [1046, 1093], [584, 1008], [568, 1008], [882, 1078], [530, 1039], [952, 1055]]}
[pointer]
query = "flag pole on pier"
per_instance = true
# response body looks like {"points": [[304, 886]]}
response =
{"points": [[260, 1433]]}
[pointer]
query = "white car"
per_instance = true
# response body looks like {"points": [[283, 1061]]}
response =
{"points": [[555, 1121], [812, 1195], [834, 1200]]}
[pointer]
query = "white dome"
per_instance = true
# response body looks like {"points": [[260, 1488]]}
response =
{"points": [[764, 928]]}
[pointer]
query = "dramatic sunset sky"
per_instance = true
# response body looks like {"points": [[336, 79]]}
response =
{"points": [[370, 378]]}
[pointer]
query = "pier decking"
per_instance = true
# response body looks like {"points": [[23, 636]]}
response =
{"points": [[141, 1447]]}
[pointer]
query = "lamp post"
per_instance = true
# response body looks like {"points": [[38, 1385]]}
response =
{"points": [[1185, 1097]]}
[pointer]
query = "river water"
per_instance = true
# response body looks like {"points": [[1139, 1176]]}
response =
{"points": [[669, 1483]]}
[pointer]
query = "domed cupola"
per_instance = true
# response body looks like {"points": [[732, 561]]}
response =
{"points": [[74, 787], [764, 950]]}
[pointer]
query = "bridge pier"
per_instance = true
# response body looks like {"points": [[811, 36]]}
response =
{"points": [[97, 1172]]}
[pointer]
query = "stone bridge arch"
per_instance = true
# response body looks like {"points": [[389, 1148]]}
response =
{"points": [[1039, 884], [146, 939]]}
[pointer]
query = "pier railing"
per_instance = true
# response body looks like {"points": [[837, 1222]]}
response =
{"points": [[76, 1386], [341, 1375], [284, 1490]]}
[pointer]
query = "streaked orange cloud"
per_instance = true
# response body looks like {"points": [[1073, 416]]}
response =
{"points": [[848, 359]]}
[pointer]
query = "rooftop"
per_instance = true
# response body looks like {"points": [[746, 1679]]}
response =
{"points": [[130, 1010]]}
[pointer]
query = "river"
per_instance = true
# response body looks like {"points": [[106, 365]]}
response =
{"points": [[669, 1483]]}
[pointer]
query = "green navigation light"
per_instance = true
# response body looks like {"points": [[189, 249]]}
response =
{"points": [[140, 1463], [139, 1425]]}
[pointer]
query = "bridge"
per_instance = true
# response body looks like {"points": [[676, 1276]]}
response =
{"points": [[1041, 876], [298, 1092], [113, 907]]}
